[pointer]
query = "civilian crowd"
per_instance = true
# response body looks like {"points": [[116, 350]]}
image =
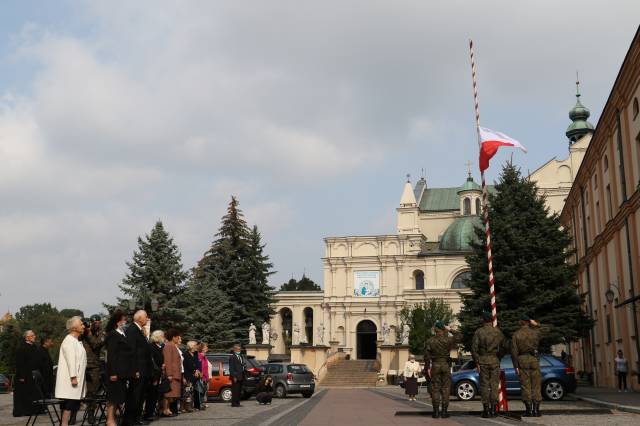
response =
{"points": [[142, 375]]}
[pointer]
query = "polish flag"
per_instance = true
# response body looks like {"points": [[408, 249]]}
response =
{"points": [[490, 141]]}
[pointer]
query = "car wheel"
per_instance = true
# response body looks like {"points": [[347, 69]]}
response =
{"points": [[225, 394], [307, 394], [281, 392], [466, 390], [553, 390]]}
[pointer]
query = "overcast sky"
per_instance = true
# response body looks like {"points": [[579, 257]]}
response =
{"points": [[116, 114]]}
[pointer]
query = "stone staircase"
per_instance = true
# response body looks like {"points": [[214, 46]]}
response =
{"points": [[350, 373]]}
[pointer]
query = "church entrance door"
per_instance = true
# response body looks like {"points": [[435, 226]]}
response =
{"points": [[366, 333]]}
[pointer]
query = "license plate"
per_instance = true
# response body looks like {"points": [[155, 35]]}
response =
{"points": [[305, 386]]}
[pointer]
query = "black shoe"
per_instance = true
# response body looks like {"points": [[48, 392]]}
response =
{"points": [[149, 419], [72, 418], [536, 409], [527, 410], [436, 412], [486, 411], [445, 412]]}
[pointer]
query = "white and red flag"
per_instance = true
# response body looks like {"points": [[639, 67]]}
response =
{"points": [[490, 141]]}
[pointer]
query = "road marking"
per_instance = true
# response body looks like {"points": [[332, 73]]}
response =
{"points": [[290, 409]]}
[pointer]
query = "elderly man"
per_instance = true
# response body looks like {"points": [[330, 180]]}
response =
{"points": [[27, 360], [139, 344], [72, 365], [237, 366]]}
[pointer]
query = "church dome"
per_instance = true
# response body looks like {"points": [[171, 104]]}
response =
{"points": [[469, 185], [460, 233], [579, 115]]}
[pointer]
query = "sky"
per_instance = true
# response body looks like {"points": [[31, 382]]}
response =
{"points": [[116, 114]]}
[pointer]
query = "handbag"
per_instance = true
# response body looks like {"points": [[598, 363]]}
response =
{"points": [[164, 386], [422, 379]]}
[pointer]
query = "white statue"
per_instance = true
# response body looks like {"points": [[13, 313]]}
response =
{"points": [[321, 333], [296, 334], [386, 330], [252, 334], [303, 337], [266, 333], [405, 334]]}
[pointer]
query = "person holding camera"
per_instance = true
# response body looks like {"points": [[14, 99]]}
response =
{"points": [[93, 341]]}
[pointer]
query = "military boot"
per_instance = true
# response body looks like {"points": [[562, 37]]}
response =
{"points": [[536, 409], [445, 411], [486, 411], [527, 410], [91, 416], [436, 411]]}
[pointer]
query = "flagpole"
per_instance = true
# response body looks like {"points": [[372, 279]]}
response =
{"points": [[485, 210]]}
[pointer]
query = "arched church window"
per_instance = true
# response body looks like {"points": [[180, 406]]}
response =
{"points": [[466, 207], [478, 207], [418, 275], [308, 324], [460, 281]]}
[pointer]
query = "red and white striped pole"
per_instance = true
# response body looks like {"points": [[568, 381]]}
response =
{"points": [[485, 214]]}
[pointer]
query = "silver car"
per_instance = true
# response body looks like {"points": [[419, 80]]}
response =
{"points": [[290, 378]]}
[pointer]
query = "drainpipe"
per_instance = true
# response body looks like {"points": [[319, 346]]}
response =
{"points": [[591, 332]]}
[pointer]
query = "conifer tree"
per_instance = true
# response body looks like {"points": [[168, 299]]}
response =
{"points": [[532, 277], [237, 264], [304, 284], [155, 272]]}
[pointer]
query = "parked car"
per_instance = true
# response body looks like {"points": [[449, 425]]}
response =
{"points": [[5, 384], [291, 378], [558, 379], [220, 381]]}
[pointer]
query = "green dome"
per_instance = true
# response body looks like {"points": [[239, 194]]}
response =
{"points": [[578, 115], [469, 185], [460, 233]]}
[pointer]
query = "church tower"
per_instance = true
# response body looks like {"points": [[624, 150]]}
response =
{"points": [[408, 211], [578, 115]]}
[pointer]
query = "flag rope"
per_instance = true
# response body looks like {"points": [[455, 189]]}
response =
{"points": [[485, 214]]}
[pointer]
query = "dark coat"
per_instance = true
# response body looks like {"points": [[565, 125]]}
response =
{"points": [[141, 350], [191, 364], [158, 360], [46, 369], [25, 391], [119, 356], [237, 367]]}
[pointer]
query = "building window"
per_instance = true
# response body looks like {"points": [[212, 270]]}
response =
{"points": [[635, 108], [595, 181], [460, 281], [466, 208], [478, 207], [606, 163], [418, 276], [597, 217], [609, 204], [623, 178], [608, 328]]}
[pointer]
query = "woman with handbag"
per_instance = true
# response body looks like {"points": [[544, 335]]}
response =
{"points": [[172, 370], [411, 373], [192, 371], [156, 342]]}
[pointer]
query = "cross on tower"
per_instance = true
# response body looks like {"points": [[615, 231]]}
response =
{"points": [[408, 177], [469, 164]]}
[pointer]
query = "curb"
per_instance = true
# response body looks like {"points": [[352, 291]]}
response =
{"points": [[612, 405]]}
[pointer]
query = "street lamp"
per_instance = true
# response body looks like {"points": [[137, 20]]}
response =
{"points": [[610, 295]]}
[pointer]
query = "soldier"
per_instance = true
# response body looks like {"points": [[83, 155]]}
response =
{"points": [[524, 352], [487, 348], [438, 364], [93, 341]]}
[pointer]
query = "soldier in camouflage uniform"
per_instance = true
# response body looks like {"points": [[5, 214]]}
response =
{"points": [[93, 341], [438, 364], [487, 348], [524, 352]]}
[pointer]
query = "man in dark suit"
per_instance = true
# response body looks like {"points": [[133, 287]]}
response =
{"points": [[137, 339], [237, 365]]}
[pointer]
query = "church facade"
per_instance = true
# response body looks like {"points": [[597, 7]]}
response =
{"points": [[368, 280]]}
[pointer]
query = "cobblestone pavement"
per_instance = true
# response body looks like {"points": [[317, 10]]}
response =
{"points": [[375, 406]]}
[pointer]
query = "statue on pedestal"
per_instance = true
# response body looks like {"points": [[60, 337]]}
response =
{"points": [[252, 334], [405, 334], [303, 337], [296, 334], [266, 333], [321, 333], [386, 330]]}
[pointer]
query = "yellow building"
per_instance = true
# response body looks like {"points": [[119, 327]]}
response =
{"points": [[603, 213]]}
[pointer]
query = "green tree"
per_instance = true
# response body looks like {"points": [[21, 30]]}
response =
{"points": [[10, 338], [237, 264], [530, 250], [421, 319], [155, 272], [70, 312], [304, 284]]}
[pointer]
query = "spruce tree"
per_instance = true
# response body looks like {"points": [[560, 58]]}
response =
{"points": [[532, 277], [155, 272], [208, 315], [237, 263], [305, 284]]}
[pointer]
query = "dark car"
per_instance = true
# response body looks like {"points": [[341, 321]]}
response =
{"points": [[252, 379], [291, 378], [5, 384], [558, 379]]}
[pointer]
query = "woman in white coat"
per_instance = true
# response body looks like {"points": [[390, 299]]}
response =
{"points": [[411, 372], [72, 363]]}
